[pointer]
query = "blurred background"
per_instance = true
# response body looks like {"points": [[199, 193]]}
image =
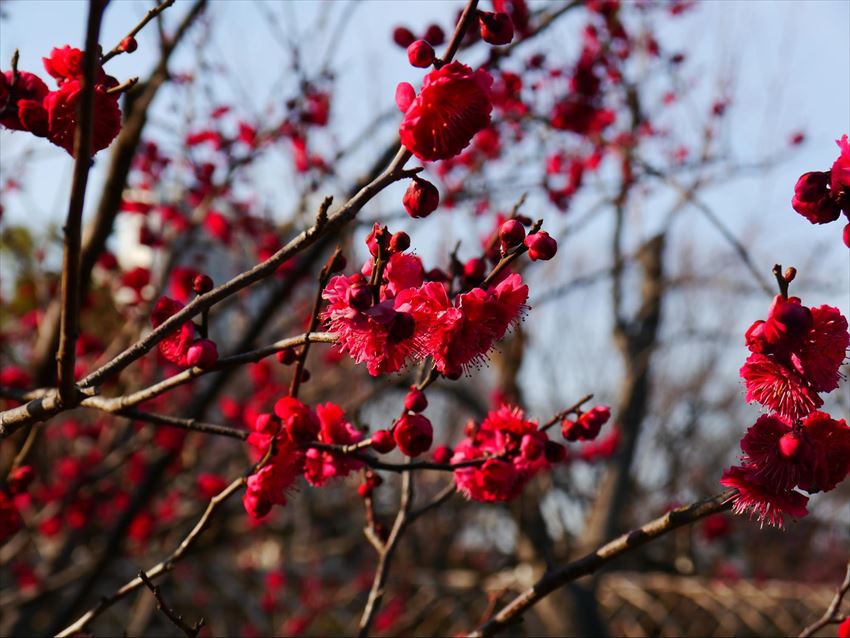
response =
{"points": [[669, 220]]}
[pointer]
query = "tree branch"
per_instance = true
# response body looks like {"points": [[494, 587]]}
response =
{"points": [[70, 310], [549, 582]]}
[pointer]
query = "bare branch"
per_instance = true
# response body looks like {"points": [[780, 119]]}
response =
{"points": [[70, 309], [552, 580], [831, 615], [173, 616]]}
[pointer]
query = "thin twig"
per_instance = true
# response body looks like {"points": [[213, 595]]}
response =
{"points": [[150, 15], [177, 620], [560, 416], [376, 593], [552, 580], [160, 568], [831, 614], [324, 275]]}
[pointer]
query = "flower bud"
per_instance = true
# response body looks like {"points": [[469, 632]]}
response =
{"points": [[202, 284], [790, 274], [415, 401], [474, 269], [846, 235], [128, 44], [413, 434], [421, 198], [305, 375], [541, 246], [202, 353], [364, 490], [20, 479], [511, 233], [495, 28], [403, 36], [383, 442], [435, 35], [399, 242], [442, 454], [286, 356], [420, 54]]}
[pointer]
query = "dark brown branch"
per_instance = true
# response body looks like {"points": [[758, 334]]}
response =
{"points": [[588, 564], [176, 619], [831, 614], [70, 310], [565, 412], [324, 275], [162, 567]]}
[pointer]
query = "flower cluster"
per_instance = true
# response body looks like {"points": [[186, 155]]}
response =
{"points": [[402, 317], [821, 196], [26, 104], [796, 354], [285, 437], [515, 449]]}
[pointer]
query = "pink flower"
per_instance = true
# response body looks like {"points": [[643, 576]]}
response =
{"points": [[382, 335], [62, 106], [453, 105], [834, 439], [20, 102], [300, 423], [464, 332], [778, 388], [812, 198], [64, 64], [517, 443], [269, 485], [824, 348], [840, 174], [779, 455], [176, 345], [319, 465], [797, 353], [767, 503]]}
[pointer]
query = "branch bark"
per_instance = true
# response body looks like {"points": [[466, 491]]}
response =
{"points": [[588, 564]]}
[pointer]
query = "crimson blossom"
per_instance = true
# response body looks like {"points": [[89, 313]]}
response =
{"points": [[516, 449], [453, 105], [406, 319], [27, 104], [780, 458], [796, 354], [821, 196]]}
